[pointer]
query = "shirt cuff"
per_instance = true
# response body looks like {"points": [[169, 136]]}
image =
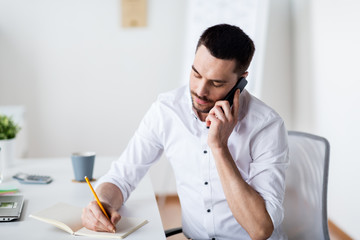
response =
{"points": [[109, 179]]}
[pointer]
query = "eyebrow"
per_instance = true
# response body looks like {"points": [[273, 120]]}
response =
{"points": [[193, 68], [213, 80]]}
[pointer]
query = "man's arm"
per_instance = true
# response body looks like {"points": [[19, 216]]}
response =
{"points": [[247, 206], [112, 199]]}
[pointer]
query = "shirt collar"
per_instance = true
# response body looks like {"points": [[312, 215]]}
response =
{"points": [[192, 111]]}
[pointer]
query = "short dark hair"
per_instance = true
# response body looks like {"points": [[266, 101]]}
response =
{"points": [[229, 42]]}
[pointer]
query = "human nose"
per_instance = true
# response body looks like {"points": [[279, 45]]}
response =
{"points": [[202, 89]]}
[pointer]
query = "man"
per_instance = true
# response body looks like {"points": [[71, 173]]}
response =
{"points": [[229, 161]]}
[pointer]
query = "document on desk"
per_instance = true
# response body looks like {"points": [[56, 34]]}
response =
{"points": [[68, 218]]}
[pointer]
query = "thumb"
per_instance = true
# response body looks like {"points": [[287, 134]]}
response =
{"points": [[208, 122], [114, 217]]}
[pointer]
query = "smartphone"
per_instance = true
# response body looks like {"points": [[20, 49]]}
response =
{"points": [[32, 179], [241, 83]]}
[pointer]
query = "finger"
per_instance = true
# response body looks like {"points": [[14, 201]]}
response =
{"points": [[225, 107], [112, 213], [89, 221], [211, 119], [219, 113], [96, 223], [211, 112], [236, 105], [208, 122], [115, 217], [207, 119], [100, 217]]}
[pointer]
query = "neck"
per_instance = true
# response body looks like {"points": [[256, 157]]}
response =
{"points": [[202, 116]]}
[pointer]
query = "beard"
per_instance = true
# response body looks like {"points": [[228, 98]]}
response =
{"points": [[201, 108]]}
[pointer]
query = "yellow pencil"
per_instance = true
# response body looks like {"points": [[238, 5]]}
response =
{"points": [[96, 197]]}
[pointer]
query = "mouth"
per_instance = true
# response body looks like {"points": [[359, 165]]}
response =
{"points": [[201, 101], [201, 104]]}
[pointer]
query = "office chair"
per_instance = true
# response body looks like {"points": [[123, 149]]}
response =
{"points": [[305, 202]]}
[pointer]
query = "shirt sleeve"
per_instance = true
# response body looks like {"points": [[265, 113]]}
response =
{"points": [[269, 149], [144, 148]]}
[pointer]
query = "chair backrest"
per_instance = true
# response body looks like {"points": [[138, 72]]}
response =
{"points": [[305, 202]]}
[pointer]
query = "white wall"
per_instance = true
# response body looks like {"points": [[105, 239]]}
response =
{"points": [[328, 96], [336, 52], [277, 84], [86, 82]]}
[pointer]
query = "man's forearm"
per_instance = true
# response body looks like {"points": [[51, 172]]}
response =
{"points": [[110, 194], [247, 206]]}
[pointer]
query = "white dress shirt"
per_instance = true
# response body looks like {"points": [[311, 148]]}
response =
{"points": [[258, 146]]}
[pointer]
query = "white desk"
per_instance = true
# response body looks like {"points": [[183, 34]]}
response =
{"points": [[141, 204]]}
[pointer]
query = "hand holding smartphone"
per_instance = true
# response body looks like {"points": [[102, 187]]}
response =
{"points": [[241, 83]]}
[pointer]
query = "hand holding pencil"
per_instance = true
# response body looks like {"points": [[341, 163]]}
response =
{"points": [[95, 216]]}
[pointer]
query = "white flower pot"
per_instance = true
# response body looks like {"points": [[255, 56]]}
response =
{"points": [[7, 156]]}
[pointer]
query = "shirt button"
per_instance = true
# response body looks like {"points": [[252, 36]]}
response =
{"points": [[205, 151], [208, 210], [206, 183], [213, 239]]}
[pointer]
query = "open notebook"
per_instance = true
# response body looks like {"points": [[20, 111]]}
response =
{"points": [[68, 218]]}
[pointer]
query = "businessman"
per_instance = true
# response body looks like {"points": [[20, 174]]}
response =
{"points": [[229, 161]]}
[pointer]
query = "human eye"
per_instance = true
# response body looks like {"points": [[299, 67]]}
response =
{"points": [[217, 84], [196, 75]]}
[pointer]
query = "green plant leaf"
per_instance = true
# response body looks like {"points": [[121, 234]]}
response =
{"points": [[8, 129]]}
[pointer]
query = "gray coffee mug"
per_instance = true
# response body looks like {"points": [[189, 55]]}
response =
{"points": [[83, 165]]}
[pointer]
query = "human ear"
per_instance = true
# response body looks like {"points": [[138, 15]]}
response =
{"points": [[245, 74]]}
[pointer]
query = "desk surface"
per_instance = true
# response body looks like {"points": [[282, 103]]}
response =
{"points": [[141, 204]]}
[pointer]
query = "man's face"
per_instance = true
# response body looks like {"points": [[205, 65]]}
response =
{"points": [[210, 79]]}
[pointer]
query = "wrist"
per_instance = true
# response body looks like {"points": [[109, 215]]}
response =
{"points": [[219, 150], [216, 144]]}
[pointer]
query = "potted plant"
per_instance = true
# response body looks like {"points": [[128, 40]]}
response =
{"points": [[8, 131]]}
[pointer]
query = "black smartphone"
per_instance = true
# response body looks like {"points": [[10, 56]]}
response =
{"points": [[241, 83]]}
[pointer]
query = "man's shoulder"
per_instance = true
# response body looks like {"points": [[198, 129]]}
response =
{"points": [[257, 109], [174, 103], [176, 95]]}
